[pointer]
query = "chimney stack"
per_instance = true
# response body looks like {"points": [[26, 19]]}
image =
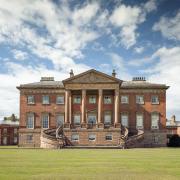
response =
{"points": [[114, 73], [71, 73]]}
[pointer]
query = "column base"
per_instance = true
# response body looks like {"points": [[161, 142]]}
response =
{"points": [[117, 125], [83, 125], [67, 125]]}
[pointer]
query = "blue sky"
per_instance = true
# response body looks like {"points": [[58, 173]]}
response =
{"points": [[48, 38]]}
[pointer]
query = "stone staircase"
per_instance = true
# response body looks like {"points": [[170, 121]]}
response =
{"points": [[131, 138]]}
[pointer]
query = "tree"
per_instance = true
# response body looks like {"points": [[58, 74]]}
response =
{"points": [[174, 141]]}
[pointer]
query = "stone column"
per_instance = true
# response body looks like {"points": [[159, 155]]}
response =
{"points": [[70, 107], [83, 119], [116, 106], [100, 106], [66, 106]]}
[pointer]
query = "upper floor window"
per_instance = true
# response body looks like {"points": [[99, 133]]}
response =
{"points": [[5, 130], [45, 120], [155, 120], [15, 130], [124, 99], [30, 99], [92, 99], [92, 118], [139, 99], [59, 119], [107, 118], [77, 118], [139, 121], [154, 99], [75, 137], [107, 100], [30, 121], [15, 140], [60, 99], [124, 119], [77, 100], [45, 99]]}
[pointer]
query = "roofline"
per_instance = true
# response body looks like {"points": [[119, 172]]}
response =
{"points": [[92, 70], [146, 87]]}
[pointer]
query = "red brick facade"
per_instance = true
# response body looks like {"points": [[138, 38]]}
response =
{"points": [[91, 82]]}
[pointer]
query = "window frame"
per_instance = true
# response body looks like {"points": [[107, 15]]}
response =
{"points": [[75, 140], [108, 113], [33, 118], [59, 114], [94, 96], [77, 114], [154, 103], [125, 114], [91, 114], [29, 140], [74, 97], [59, 103], [43, 99], [110, 135], [137, 99], [104, 99], [91, 135], [140, 127], [127, 99], [30, 103], [43, 114], [158, 120]]}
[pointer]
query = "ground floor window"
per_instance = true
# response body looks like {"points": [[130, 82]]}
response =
{"points": [[15, 140], [124, 119], [107, 118], [155, 139], [77, 118], [92, 137], [108, 137], [75, 137], [4, 140], [45, 120], [29, 138], [59, 119], [30, 121], [92, 118], [139, 121]]}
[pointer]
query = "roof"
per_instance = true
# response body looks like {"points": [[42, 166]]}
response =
{"points": [[42, 84], [95, 72], [9, 123], [142, 85], [169, 123]]}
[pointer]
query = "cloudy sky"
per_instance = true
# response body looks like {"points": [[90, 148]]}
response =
{"points": [[48, 38]]}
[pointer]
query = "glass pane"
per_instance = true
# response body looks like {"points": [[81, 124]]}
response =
{"points": [[92, 119]]}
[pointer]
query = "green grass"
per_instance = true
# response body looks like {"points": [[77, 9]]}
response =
{"points": [[145, 164]]}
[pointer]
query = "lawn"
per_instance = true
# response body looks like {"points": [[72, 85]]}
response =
{"points": [[145, 164]]}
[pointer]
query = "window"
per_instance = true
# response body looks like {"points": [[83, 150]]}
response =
{"points": [[92, 99], [45, 99], [60, 100], [75, 137], [107, 118], [5, 130], [140, 99], [107, 100], [108, 137], [77, 118], [59, 119], [4, 140], [92, 118], [15, 140], [124, 99], [155, 121], [92, 137], [45, 120], [155, 139], [30, 121], [29, 138], [139, 121], [124, 119], [30, 99], [154, 100], [77, 100], [15, 130]]}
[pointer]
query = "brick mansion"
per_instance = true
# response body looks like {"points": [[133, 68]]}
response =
{"points": [[92, 109]]}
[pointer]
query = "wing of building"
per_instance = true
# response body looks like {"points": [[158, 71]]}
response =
{"points": [[92, 109]]}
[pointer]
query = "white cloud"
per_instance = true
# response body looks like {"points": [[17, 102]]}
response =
{"points": [[139, 50], [166, 70], [127, 18], [169, 27], [19, 55]]}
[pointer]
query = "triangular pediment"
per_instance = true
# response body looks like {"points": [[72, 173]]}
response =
{"points": [[92, 76]]}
